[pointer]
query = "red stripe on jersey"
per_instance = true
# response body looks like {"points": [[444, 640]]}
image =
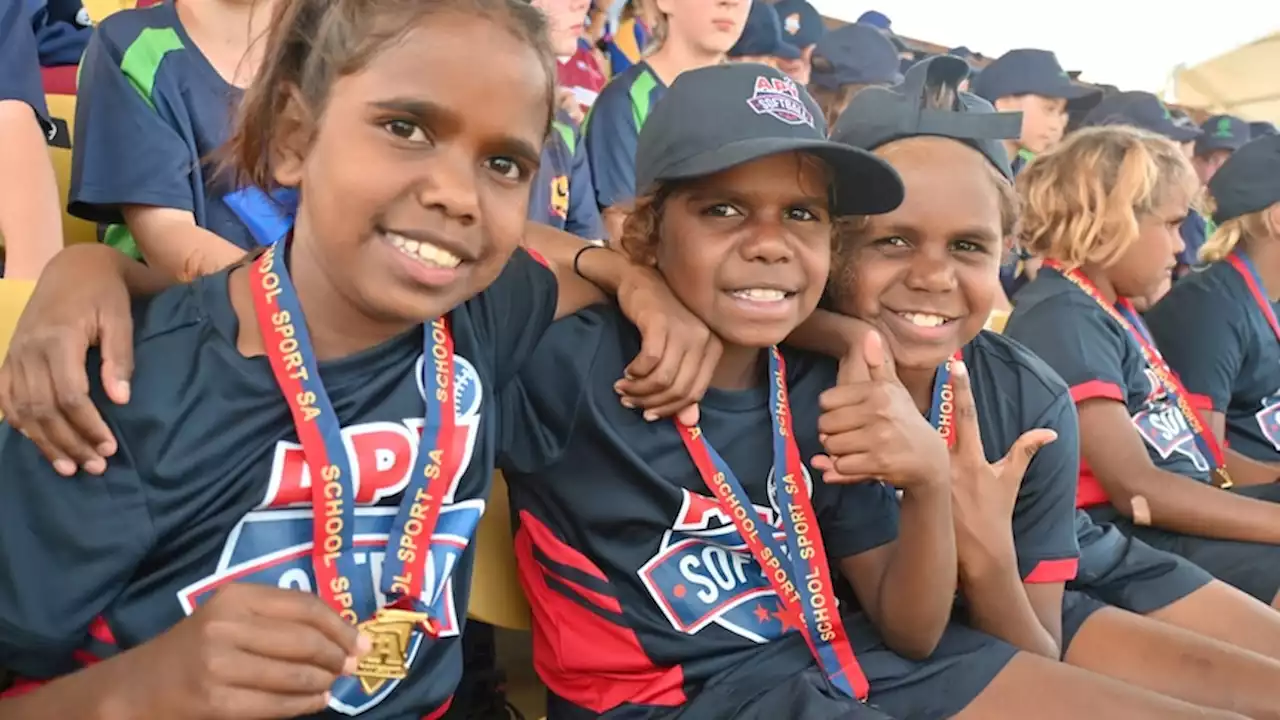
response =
{"points": [[582, 657], [1094, 389], [556, 549], [603, 601], [99, 631], [440, 711], [1089, 491], [21, 686], [1051, 571], [537, 256]]}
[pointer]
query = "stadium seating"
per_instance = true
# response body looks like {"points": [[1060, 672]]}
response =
{"points": [[74, 230], [496, 595], [13, 297]]}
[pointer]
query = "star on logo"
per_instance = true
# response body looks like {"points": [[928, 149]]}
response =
{"points": [[762, 614], [789, 620]]}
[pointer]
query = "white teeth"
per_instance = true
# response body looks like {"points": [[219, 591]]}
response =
{"points": [[761, 294], [924, 319], [425, 251]]}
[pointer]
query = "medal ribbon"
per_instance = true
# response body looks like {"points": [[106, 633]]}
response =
{"points": [[801, 576], [1242, 264], [1129, 319], [293, 362], [942, 412]]}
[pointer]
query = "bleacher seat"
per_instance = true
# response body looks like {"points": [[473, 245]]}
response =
{"points": [[74, 230], [496, 595], [997, 320]]}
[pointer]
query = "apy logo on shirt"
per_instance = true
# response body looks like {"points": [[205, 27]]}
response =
{"points": [[272, 544], [1164, 427], [560, 196], [1269, 419], [779, 98], [703, 573]]}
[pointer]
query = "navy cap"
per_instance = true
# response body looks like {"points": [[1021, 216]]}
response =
{"points": [[1141, 110], [747, 111], [802, 24], [762, 36], [854, 54], [1248, 181], [1028, 72], [1262, 129], [875, 19], [877, 116], [1222, 132]]}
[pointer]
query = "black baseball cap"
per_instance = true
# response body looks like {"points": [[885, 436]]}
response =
{"points": [[1248, 181], [877, 116], [1222, 132], [762, 36], [802, 24], [718, 117], [1029, 72], [854, 54], [1262, 128], [1141, 110]]}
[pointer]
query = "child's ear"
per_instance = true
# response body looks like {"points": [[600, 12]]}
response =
{"points": [[295, 129]]}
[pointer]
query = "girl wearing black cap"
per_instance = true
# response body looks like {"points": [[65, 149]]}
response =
{"points": [[1104, 210], [924, 276], [1219, 329]]}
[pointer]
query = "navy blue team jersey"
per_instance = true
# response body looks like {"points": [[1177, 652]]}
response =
{"points": [[1098, 359], [149, 113], [1015, 392], [613, 129], [20, 79], [563, 195], [210, 486], [641, 587], [1213, 333]]}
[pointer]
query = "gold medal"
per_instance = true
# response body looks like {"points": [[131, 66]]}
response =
{"points": [[1221, 479], [391, 632]]}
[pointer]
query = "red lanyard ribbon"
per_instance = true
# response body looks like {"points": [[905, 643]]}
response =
{"points": [[1241, 263], [800, 574], [1127, 316], [408, 580]]}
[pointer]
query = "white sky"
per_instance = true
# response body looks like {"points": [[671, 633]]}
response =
{"points": [[1133, 44]]}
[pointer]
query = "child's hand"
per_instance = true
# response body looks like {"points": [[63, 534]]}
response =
{"points": [[871, 428], [80, 301], [983, 495], [251, 653], [678, 353]]}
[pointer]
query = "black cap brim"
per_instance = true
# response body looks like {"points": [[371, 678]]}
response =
{"points": [[863, 184], [787, 51], [1182, 134]]}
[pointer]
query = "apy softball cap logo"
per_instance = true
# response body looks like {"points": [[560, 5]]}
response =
{"points": [[779, 98], [792, 23]]}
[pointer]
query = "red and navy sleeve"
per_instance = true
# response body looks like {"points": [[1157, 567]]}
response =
{"points": [[611, 138], [1079, 341], [125, 152], [1044, 514], [1199, 334], [68, 548], [512, 314], [20, 79]]}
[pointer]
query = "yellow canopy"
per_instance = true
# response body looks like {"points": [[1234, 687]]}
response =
{"points": [[1243, 82]]}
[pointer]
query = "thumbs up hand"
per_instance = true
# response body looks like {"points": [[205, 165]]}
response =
{"points": [[872, 429]]}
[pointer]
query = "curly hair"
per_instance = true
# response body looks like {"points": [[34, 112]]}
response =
{"points": [[1233, 232], [1082, 201]]}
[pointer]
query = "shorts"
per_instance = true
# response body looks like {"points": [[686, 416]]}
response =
{"points": [[780, 681], [1251, 567]]}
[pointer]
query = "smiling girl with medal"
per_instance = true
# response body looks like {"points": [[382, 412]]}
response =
{"points": [[353, 461], [924, 275], [1104, 210], [1219, 330]]}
